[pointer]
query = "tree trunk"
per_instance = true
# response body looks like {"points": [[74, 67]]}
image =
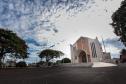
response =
{"points": [[1, 54], [47, 61]]}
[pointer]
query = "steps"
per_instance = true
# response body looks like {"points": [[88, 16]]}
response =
{"points": [[103, 64]]}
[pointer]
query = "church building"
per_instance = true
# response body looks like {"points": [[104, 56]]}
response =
{"points": [[86, 50]]}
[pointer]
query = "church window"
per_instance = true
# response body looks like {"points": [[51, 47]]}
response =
{"points": [[93, 49]]}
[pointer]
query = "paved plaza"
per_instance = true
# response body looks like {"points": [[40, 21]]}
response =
{"points": [[64, 75]]}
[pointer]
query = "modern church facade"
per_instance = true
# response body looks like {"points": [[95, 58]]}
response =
{"points": [[86, 50]]}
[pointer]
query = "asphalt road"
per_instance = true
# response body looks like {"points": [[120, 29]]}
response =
{"points": [[64, 75]]}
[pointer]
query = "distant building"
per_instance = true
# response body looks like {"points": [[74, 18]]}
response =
{"points": [[123, 56], [107, 57], [88, 50]]}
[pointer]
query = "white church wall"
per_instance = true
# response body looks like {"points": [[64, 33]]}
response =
{"points": [[84, 44]]}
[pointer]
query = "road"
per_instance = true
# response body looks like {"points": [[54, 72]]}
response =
{"points": [[64, 75]]}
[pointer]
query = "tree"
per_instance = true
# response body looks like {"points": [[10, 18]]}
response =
{"points": [[49, 54], [13, 44], [21, 64], [65, 60], [119, 22], [123, 55], [123, 52]]}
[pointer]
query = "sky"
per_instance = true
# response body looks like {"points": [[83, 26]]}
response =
{"points": [[56, 24]]}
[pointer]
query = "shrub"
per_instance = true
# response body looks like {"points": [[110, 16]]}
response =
{"points": [[39, 63], [21, 64], [65, 60], [50, 63], [58, 61]]}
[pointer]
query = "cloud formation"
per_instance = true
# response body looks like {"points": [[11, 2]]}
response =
{"points": [[43, 23], [34, 20], [114, 42]]}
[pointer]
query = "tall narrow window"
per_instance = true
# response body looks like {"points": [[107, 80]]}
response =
{"points": [[93, 49]]}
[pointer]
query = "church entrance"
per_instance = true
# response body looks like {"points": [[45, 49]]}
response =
{"points": [[82, 57]]}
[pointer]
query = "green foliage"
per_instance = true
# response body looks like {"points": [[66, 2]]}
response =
{"points": [[1, 64], [58, 61], [21, 64], [123, 52], [123, 55], [119, 22], [11, 43], [50, 63], [49, 54], [40, 63], [65, 60]]}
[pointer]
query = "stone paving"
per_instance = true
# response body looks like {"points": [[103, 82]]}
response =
{"points": [[64, 75]]}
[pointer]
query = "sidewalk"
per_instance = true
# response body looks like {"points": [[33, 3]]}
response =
{"points": [[103, 64]]}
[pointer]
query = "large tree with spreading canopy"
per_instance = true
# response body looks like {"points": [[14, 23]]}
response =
{"points": [[49, 54], [12, 44], [119, 22]]}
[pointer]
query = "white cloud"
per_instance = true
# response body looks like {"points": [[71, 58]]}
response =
{"points": [[72, 18], [90, 23]]}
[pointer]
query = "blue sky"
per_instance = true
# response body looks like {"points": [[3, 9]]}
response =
{"points": [[58, 23]]}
